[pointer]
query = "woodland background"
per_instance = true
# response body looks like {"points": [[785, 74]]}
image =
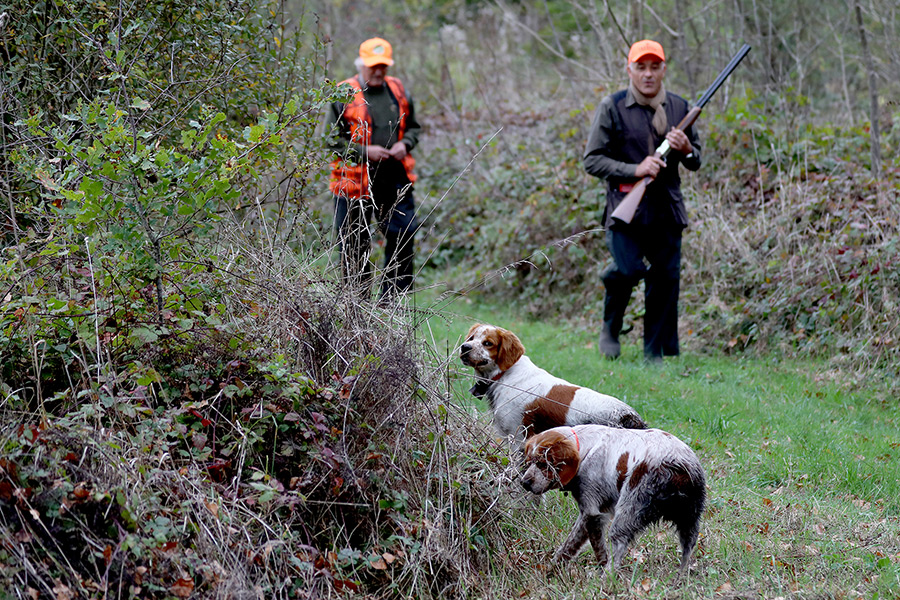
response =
{"points": [[192, 406]]}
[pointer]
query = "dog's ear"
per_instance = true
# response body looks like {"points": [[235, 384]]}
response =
{"points": [[529, 445], [510, 350], [564, 456]]}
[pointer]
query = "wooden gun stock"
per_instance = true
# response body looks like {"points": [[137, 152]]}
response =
{"points": [[624, 212]]}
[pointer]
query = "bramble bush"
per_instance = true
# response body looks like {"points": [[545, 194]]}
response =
{"points": [[191, 406]]}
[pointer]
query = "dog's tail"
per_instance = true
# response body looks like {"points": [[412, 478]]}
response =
{"points": [[686, 488], [684, 504]]}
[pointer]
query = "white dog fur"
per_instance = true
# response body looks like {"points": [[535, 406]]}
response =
{"points": [[526, 399], [625, 479]]}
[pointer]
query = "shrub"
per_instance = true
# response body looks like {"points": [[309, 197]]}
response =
{"points": [[190, 405]]}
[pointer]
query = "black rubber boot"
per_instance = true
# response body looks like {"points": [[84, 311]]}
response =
{"points": [[609, 343]]}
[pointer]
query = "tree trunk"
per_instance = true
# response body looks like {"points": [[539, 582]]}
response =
{"points": [[873, 94]]}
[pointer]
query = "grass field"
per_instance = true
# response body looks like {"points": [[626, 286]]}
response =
{"points": [[802, 470]]}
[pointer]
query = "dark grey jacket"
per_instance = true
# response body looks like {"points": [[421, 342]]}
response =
{"points": [[622, 136]]}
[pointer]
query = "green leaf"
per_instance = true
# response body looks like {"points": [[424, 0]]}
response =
{"points": [[150, 376], [92, 188], [187, 139], [144, 335], [254, 133]]}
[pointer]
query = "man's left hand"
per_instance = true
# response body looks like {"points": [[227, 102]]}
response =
{"points": [[679, 141], [398, 150]]}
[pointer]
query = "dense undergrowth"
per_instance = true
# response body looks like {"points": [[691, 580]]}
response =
{"points": [[191, 406]]}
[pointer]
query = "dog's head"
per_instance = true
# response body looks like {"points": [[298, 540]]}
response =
{"points": [[551, 460], [490, 349]]}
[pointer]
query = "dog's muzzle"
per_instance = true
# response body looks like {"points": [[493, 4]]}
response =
{"points": [[528, 484], [465, 355]]}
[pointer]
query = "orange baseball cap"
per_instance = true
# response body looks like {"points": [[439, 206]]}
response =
{"points": [[376, 51], [645, 48]]}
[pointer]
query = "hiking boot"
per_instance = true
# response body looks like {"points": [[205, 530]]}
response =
{"points": [[609, 344]]}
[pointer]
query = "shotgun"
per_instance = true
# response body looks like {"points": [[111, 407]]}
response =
{"points": [[625, 210]]}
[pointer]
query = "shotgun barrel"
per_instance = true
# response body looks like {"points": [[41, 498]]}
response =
{"points": [[624, 212]]}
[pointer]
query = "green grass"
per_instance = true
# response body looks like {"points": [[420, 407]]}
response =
{"points": [[803, 470]]}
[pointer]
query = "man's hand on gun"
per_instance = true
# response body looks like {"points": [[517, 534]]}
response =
{"points": [[650, 166], [679, 141]]}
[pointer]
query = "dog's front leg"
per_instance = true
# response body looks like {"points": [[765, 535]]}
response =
{"points": [[596, 525], [577, 537]]}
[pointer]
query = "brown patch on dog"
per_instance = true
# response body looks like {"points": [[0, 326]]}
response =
{"points": [[547, 412], [622, 470], [508, 348], [639, 471], [679, 478]]}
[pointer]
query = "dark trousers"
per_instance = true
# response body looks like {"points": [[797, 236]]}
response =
{"points": [[393, 206], [633, 249]]}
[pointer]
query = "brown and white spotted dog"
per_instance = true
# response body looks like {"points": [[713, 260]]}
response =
{"points": [[526, 399], [623, 479]]}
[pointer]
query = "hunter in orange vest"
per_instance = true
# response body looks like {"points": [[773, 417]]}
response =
{"points": [[372, 137]]}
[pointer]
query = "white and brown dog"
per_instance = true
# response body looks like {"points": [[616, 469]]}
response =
{"points": [[526, 399], [625, 479]]}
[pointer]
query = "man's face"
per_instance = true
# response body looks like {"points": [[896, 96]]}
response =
{"points": [[647, 75], [374, 75]]}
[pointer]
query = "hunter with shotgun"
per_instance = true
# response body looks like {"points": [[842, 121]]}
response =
{"points": [[635, 144]]}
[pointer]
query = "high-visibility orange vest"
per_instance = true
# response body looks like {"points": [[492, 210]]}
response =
{"points": [[349, 179]]}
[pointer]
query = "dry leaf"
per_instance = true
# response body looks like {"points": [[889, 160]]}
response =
{"points": [[198, 440], [378, 564], [345, 584], [724, 588], [213, 508], [23, 536], [647, 585], [388, 558], [62, 591], [182, 588]]}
